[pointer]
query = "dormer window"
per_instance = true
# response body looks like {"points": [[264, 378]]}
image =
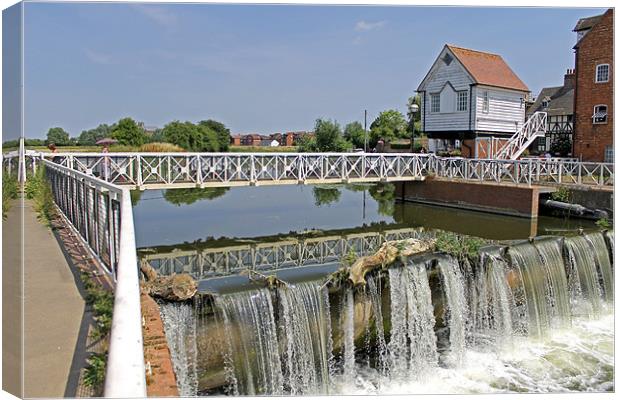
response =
{"points": [[545, 103], [602, 73], [600, 114]]}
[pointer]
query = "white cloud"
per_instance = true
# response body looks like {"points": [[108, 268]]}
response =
{"points": [[159, 15], [98, 58], [364, 26]]}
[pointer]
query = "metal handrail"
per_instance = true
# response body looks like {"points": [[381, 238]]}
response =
{"points": [[125, 371]]}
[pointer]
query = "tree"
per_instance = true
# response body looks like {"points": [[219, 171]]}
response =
{"points": [[129, 133], [327, 138], [222, 133], [389, 125], [58, 136], [354, 133], [91, 136], [190, 136]]}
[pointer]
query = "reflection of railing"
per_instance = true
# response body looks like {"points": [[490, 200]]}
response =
{"points": [[101, 214], [209, 263], [176, 170]]}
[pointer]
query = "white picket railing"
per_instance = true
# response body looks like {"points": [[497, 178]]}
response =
{"points": [[175, 170], [533, 128]]}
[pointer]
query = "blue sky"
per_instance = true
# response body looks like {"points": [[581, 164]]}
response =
{"points": [[263, 68]]}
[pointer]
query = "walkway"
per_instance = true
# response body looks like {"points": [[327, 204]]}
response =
{"points": [[53, 310]]}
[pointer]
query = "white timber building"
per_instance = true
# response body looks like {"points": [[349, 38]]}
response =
{"points": [[472, 101]]}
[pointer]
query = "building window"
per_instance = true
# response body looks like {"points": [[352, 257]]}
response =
{"points": [[461, 104], [609, 154], [600, 114], [435, 104], [485, 102], [602, 73]]}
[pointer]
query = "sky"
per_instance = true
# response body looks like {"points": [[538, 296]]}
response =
{"points": [[261, 68]]}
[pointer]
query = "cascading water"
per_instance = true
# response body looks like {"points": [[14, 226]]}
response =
{"points": [[583, 281], [533, 281], [249, 321], [552, 263], [434, 326], [603, 264], [455, 308], [494, 304], [306, 333], [180, 327], [412, 347]]}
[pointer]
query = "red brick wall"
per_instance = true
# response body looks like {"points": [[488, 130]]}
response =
{"points": [[595, 48], [501, 199]]}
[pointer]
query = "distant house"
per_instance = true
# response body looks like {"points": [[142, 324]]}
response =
{"points": [[469, 97], [235, 140], [252, 139], [594, 88], [557, 102]]}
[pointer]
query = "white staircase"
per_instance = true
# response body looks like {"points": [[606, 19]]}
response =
{"points": [[533, 128]]}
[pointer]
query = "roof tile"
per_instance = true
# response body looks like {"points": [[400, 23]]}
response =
{"points": [[488, 69]]}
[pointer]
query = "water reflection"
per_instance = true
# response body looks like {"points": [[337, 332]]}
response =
{"points": [[189, 215]]}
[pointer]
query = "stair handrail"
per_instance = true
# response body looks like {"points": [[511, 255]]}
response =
{"points": [[532, 127]]}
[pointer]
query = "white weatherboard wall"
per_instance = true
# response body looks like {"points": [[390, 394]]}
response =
{"points": [[506, 110], [447, 80]]}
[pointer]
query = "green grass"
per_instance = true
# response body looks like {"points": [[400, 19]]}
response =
{"points": [[261, 149], [10, 189], [39, 191]]}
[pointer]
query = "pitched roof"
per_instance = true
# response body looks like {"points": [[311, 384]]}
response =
{"points": [[488, 69], [587, 23], [560, 100]]}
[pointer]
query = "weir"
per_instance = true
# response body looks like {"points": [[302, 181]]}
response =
{"points": [[415, 318]]}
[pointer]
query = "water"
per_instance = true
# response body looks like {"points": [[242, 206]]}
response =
{"points": [[180, 327], [253, 347], [538, 318], [305, 328]]}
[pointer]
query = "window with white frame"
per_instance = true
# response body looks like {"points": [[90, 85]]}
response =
{"points": [[609, 154], [602, 73], [435, 103], [600, 114], [485, 102], [461, 103]]}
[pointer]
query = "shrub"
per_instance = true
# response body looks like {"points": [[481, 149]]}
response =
{"points": [[603, 223], [161, 147], [459, 246], [562, 194], [10, 189], [94, 374], [39, 191]]}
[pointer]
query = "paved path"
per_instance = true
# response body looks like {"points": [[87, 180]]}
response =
{"points": [[53, 310]]}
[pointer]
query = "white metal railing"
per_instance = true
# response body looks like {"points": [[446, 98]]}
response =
{"points": [[223, 261], [534, 127], [101, 214], [170, 170], [152, 170]]}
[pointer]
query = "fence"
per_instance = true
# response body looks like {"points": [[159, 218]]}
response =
{"points": [[101, 213]]}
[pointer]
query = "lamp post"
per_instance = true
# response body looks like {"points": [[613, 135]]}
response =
{"points": [[413, 109]]}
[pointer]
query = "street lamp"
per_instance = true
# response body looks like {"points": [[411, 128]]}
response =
{"points": [[413, 109]]}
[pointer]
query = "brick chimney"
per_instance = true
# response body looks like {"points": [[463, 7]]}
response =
{"points": [[569, 78]]}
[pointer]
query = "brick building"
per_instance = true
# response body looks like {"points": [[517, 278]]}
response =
{"points": [[593, 132]]}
